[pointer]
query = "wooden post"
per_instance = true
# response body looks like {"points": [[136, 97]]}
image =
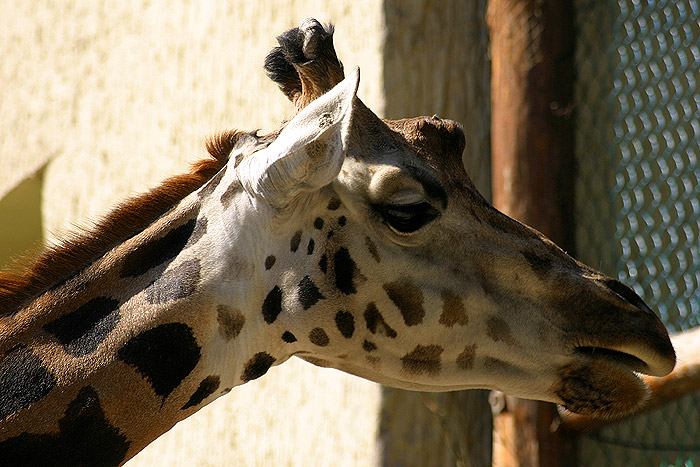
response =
{"points": [[532, 52]]}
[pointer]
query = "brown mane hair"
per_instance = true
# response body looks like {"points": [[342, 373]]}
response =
{"points": [[59, 262]]}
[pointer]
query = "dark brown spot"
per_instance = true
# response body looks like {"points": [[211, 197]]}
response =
{"points": [[272, 306], [333, 204], [423, 359], [329, 234], [82, 330], [206, 388], [257, 366], [310, 247], [323, 264], [308, 293], [85, 437], [269, 262], [230, 322], [164, 355], [498, 330], [23, 380], [372, 249], [159, 251], [318, 337], [342, 220], [368, 346], [175, 284], [288, 337], [465, 360], [345, 271], [346, 323], [318, 223], [408, 299], [375, 321], [294, 243], [453, 311]]}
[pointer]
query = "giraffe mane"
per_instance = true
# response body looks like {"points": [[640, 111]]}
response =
{"points": [[58, 262]]}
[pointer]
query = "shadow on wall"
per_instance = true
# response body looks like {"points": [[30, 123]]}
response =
{"points": [[20, 220]]}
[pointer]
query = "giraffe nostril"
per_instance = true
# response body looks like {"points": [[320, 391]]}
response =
{"points": [[627, 294]]}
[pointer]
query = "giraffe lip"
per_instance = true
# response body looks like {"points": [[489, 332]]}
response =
{"points": [[617, 357]]}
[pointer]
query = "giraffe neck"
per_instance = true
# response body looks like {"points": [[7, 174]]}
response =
{"points": [[137, 340]]}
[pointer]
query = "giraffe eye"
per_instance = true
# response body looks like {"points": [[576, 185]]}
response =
{"points": [[406, 218]]}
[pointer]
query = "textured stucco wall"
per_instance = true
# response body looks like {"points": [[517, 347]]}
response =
{"points": [[116, 96]]}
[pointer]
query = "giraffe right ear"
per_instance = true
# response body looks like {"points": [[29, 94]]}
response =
{"points": [[309, 151]]}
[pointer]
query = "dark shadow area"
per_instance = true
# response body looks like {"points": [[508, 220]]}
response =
{"points": [[21, 229]]}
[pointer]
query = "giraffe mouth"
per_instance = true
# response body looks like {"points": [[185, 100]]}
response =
{"points": [[617, 357]]}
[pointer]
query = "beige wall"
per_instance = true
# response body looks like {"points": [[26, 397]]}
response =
{"points": [[116, 96]]}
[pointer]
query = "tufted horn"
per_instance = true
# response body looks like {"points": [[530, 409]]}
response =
{"points": [[305, 65]]}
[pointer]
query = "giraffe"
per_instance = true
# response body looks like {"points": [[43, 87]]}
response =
{"points": [[343, 239]]}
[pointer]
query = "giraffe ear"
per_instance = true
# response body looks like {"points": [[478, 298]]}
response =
{"points": [[309, 151]]}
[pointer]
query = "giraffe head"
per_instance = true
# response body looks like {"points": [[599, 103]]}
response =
{"points": [[384, 261]]}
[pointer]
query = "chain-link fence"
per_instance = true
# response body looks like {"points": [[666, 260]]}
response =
{"points": [[638, 191]]}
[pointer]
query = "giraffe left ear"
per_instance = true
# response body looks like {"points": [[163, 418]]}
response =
{"points": [[309, 151]]}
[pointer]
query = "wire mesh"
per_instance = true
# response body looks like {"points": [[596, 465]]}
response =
{"points": [[638, 190]]}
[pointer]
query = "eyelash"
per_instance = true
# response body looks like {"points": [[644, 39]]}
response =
{"points": [[407, 218]]}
